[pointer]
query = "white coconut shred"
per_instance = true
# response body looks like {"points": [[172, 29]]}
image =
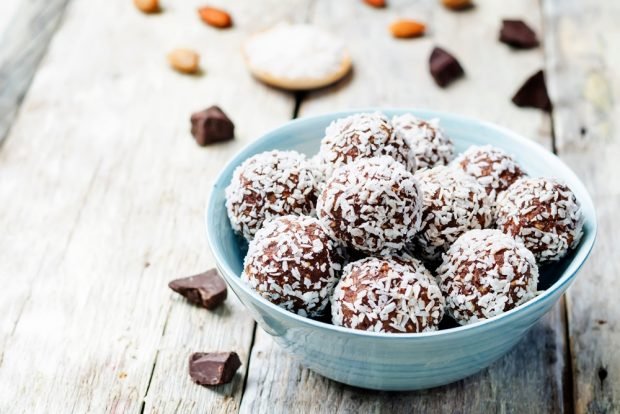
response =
{"points": [[297, 51]]}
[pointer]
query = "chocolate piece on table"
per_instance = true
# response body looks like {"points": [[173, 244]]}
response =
{"points": [[533, 93], [213, 368], [444, 67], [207, 289], [211, 126], [517, 34]]}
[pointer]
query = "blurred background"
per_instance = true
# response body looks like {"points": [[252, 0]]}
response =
{"points": [[103, 188]]}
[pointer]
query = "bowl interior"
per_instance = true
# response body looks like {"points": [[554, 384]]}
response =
{"points": [[304, 135]]}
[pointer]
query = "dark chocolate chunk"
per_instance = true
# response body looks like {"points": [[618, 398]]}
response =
{"points": [[212, 125], [213, 368], [518, 34], [207, 289], [533, 93], [444, 67]]}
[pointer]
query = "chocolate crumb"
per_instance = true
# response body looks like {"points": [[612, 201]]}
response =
{"points": [[213, 368], [444, 67], [533, 93], [207, 289], [212, 125], [518, 34]]}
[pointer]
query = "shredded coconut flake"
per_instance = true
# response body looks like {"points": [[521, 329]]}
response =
{"points": [[491, 166], [428, 144], [373, 205], [296, 52], [361, 135], [544, 214], [270, 184], [485, 273], [395, 295], [294, 264], [453, 202]]}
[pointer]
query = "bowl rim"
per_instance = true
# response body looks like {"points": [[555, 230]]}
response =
{"points": [[232, 279]]}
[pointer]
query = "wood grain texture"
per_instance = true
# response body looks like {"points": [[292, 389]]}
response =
{"points": [[8, 11], [584, 81], [103, 191], [394, 72], [26, 28]]}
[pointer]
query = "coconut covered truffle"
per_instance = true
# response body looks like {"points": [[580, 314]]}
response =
{"points": [[387, 295], [293, 263], [544, 214], [453, 203], [273, 183], [491, 166], [362, 135], [372, 205], [486, 273], [428, 145]]}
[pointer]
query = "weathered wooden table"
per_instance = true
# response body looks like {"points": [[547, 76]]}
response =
{"points": [[102, 193]]}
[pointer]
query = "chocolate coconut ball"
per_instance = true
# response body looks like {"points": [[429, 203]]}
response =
{"points": [[387, 295], [270, 184], [428, 145], [486, 273], [361, 135], [293, 263], [453, 203], [491, 166], [544, 214], [372, 205]]}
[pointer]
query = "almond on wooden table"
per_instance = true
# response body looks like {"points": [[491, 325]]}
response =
{"points": [[215, 17], [184, 60], [405, 28], [457, 4], [147, 6], [376, 3]]}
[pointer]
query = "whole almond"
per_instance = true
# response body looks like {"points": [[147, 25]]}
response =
{"points": [[215, 17], [375, 3], [457, 4], [407, 28], [147, 6], [184, 60]]}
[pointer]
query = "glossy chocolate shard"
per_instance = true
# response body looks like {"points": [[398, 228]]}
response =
{"points": [[211, 125], [206, 289], [533, 93], [213, 368], [444, 67], [518, 34]]}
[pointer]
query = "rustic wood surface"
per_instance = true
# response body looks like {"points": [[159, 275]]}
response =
{"points": [[584, 78], [26, 28], [102, 192]]}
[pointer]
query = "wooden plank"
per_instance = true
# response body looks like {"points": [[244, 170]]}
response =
{"points": [[26, 28], [8, 10], [103, 192], [394, 73], [171, 389], [584, 81]]}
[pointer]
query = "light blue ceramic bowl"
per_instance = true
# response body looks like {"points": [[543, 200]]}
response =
{"points": [[398, 361]]}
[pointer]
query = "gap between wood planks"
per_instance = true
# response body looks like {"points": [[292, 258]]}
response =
{"points": [[148, 384], [568, 386]]}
